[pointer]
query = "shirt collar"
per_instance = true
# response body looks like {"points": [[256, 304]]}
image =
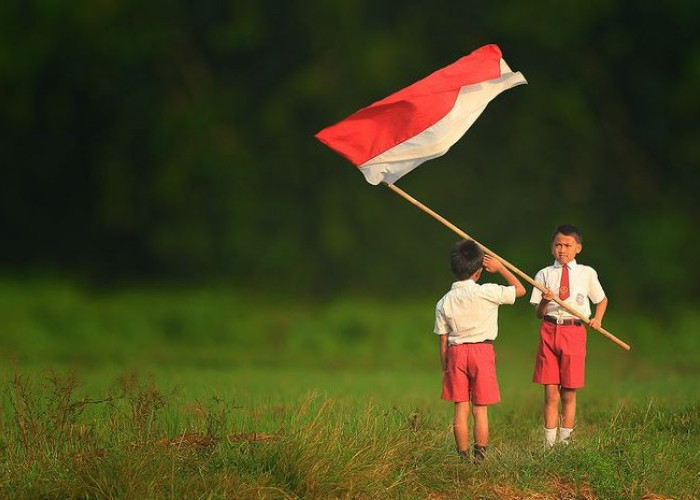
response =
{"points": [[571, 264], [462, 284]]}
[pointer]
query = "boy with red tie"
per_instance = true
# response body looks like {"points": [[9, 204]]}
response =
{"points": [[561, 355]]}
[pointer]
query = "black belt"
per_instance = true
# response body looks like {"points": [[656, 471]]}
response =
{"points": [[565, 322], [473, 343]]}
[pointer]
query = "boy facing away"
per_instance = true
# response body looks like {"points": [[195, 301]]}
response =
{"points": [[561, 356], [466, 319]]}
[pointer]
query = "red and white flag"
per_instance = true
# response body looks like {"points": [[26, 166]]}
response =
{"points": [[391, 137]]}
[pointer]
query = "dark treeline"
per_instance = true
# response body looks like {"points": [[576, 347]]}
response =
{"points": [[174, 141]]}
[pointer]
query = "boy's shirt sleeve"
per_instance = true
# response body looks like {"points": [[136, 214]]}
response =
{"points": [[498, 294], [536, 295], [595, 289], [441, 325]]}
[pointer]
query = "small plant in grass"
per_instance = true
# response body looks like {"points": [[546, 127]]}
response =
{"points": [[145, 403], [46, 417]]}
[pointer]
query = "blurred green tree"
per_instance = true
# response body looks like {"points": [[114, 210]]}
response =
{"points": [[174, 140]]}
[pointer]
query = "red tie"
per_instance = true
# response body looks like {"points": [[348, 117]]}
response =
{"points": [[564, 284]]}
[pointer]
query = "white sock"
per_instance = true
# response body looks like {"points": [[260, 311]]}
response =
{"points": [[564, 434], [550, 436]]}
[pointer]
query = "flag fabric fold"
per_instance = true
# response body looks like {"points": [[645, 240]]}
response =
{"points": [[393, 136]]}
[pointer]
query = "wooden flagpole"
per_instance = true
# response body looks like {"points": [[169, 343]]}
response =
{"points": [[510, 266]]}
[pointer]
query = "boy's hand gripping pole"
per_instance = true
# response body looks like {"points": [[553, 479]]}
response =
{"points": [[510, 266]]}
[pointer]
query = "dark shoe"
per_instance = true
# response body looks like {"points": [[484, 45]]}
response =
{"points": [[479, 453], [463, 455]]}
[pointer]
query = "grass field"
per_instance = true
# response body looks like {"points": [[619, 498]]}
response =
{"points": [[208, 394]]}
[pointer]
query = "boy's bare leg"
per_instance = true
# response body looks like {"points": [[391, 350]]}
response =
{"points": [[460, 426], [551, 406], [568, 407], [481, 424], [550, 414]]}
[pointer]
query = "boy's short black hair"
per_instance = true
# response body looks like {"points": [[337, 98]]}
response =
{"points": [[466, 258], [568, 230]]}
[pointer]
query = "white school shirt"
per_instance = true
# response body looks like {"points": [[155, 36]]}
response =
{"points": [[583, 285], [468, 313]]}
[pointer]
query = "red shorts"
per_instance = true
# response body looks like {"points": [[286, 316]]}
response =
{"points": [[471, 374], [561, 357]]}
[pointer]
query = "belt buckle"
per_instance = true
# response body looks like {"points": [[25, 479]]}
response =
{"points": [[560, 321]]}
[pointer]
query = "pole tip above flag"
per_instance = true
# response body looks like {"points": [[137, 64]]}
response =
{"points": [[391, 137]]}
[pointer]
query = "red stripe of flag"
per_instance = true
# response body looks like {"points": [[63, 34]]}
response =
{"points": [[406, 113]]}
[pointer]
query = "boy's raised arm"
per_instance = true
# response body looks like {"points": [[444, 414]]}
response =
{"points": [[493, 265]]}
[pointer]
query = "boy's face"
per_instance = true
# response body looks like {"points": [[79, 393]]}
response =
{"points": [[565, 248]]}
